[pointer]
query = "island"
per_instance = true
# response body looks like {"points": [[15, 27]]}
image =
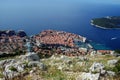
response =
{"points": [[109, 22]]}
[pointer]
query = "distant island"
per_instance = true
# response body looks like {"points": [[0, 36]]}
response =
{"points": [[106, 22]]}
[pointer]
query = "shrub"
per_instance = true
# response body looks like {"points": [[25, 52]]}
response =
{"points": [[117, 66], [12, 68], [108, 68], [117, 51], [1, 75], [115, 69], [26, 63]]}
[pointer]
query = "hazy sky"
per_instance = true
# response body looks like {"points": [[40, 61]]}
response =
{"points": [[36, 1]]}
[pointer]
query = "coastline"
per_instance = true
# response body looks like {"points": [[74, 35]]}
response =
{"points": [[81, 38], [98, 25], [91, 22]]}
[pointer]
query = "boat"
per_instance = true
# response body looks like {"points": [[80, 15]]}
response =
{"points": [[113, 38]]}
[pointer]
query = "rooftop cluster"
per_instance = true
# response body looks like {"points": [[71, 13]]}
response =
{"points": [[11, 40], [58, 37]]}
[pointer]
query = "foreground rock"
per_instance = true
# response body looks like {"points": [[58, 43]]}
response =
{"points": [[88, 76], [36, 64], [112, 62], [4, 63], [96, 67], [12, 70], [14, 67], [31, 56], [110, 73]]}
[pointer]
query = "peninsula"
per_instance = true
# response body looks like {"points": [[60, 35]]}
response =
{"points": [[53, 37], [16, 42], [107, 22]]}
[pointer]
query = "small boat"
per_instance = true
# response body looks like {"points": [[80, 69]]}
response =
{"points": [[113, 38]]}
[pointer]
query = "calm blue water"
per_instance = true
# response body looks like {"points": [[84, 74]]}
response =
{"points": [[68, 15]]}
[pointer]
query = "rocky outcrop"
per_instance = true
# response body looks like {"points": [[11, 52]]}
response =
{"points": [[88, 76], [14, 67], [4, 63], [64, 58], [110, 73], [112, 62], [31, 56], [97, 72], [83, 58], [96, 67], [36, 64], [12, 70]]}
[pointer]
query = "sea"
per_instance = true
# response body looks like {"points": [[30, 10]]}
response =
{"points": [[73, 16]]}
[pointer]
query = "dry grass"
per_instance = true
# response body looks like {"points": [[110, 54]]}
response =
{"points": [[52, 72]]}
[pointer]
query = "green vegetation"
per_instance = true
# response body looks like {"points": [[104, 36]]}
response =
{"points": [[117, 51], [1, 75], [16, 52], [12, 68], [6, 58], [72, 67], [19, 52], [107, 22], [52, 73], [117, 66], [78, 68], [26, 63]]}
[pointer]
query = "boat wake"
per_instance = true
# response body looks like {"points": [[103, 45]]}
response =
{"points": [[113, 38]]}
